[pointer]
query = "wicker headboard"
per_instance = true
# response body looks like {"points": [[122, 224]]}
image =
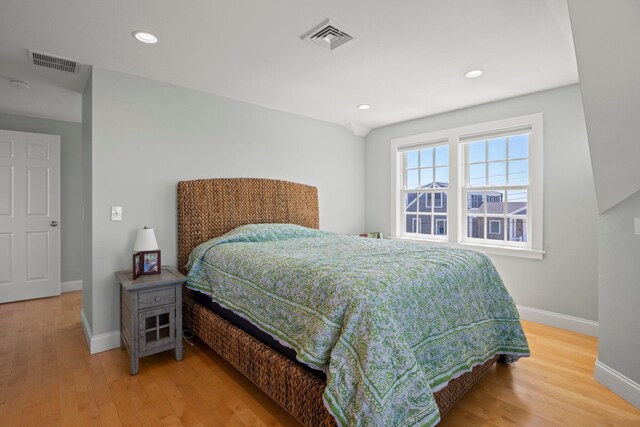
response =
{"points": [[208, 208]]}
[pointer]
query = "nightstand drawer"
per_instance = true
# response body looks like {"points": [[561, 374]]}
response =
{"points": [[156, 298]]}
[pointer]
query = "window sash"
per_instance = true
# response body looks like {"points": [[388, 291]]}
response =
{"points": [[405, 190], [466, 187], [467, 163]]}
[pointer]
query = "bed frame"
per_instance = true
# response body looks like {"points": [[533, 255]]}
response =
{"points": [[211, 207]]}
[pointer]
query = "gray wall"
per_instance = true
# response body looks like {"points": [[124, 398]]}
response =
{"points": [[607, 39], [565, 281], [619, 264], [146, 136], [70, 185]]}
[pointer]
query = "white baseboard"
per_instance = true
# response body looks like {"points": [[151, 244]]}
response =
{"points": [[73, 285], [624, 387], [101, 342], [104, 342], [563, 321]]}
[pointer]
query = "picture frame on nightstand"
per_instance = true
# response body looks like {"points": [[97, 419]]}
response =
{"points": [[150, 262], [137, 265], [146, 262]]}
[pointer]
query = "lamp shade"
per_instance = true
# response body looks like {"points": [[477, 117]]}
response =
{"points": [[145, 240]]}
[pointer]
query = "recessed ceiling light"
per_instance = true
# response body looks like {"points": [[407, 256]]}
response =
{"points": [[364, 106], [472, 74], [145, 37], [20, 84]]}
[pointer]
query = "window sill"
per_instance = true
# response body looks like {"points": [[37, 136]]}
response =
{"points": [[487, 249]]}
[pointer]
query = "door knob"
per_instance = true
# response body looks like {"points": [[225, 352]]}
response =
{"points": [[53, 223]]}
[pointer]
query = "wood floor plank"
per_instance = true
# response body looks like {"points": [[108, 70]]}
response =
{"points": [[108, 415], [48, 378]]}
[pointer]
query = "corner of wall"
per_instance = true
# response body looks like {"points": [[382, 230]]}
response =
{"points": [[101, 342], [624, 387], [87, 233]]}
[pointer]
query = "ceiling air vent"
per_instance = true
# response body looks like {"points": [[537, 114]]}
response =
{"points": [[57, 63], [327, 35]]}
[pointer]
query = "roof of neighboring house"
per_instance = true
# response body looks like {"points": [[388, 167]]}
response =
{"points": [[436, 184], [494, 208]]}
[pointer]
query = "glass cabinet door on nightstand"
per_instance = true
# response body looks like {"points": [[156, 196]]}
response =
{"points": [[157, 328]]}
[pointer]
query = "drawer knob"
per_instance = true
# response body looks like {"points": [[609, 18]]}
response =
{"points": [[141, 333], [157, 299]]}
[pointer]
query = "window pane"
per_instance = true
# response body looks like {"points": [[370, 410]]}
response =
{"points": [[426, 157], [475, 202], [518, 172], [497, 173], [497, 149], [475, 227], [411, 223], [495, 202], [517, 229], [477, 152], [495, 228], [517, 200], [442, 177], [412, 179], [426, 178], [519, 146], [440, 202], [412, 159], [150, 322], [411, 202], [440, 228], [424, 202], [424, 224], [442, 155], [477, 175]]}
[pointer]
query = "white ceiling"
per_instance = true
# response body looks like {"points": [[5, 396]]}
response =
{"points": [[407, 59]]}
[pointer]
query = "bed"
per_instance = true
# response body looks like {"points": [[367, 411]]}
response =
{"points": [[207, 209]]}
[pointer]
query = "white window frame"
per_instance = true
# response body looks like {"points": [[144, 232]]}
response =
{"points": [[456, 200]]}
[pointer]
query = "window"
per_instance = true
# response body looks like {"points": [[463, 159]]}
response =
{"points": [[496, 184], [476, 185], [495, 226], [425, 180]]}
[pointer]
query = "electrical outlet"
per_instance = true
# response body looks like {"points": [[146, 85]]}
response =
{"points": [[636, 225], [116, 213]]}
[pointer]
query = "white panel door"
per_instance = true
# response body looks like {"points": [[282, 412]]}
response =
{"points": [[29, 215]]}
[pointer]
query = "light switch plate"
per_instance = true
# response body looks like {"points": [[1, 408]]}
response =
{"points": [[116, 213], [636, 225]]}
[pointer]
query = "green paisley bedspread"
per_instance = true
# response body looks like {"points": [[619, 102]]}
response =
{"points": [[389, 322]]}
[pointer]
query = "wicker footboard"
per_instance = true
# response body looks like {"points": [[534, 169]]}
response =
{"points": [[295, 389]]}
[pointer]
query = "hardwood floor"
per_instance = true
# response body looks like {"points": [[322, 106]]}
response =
{"points": [[48, 378]]}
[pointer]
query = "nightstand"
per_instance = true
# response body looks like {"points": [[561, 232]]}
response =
{"points": [[151, 314]]}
